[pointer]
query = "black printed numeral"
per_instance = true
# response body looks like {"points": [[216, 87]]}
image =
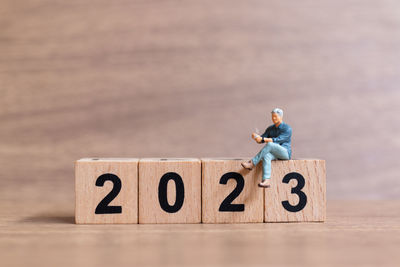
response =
{"points": [[227, 205], [162, 192], [103, 207], [295, 190]]}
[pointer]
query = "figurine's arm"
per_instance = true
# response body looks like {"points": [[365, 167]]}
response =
{"points": [[284, 136], [265, 137], [266, 133]]}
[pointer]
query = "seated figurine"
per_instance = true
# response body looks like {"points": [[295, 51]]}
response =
{"points": [[278, 139]]}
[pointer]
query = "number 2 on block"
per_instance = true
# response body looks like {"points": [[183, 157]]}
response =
{"points": [[103, 207], [227, 205]]}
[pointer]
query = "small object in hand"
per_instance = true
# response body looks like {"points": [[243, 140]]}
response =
{"points": [[265, 183], [254, 135]]}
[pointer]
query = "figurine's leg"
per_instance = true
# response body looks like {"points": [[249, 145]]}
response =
{"points": [[266, 149], [279, 151], [266, 160], [270, 152]]}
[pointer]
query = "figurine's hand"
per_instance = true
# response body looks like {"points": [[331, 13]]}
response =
{"points": [[258, 139], [254, 136]]}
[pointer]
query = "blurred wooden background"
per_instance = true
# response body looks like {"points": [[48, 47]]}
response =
{"points": [[194, 78]]}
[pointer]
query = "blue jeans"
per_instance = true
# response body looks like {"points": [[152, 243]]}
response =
{"points": [[270, 152]]}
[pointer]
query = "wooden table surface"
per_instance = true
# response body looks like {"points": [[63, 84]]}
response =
{"points": [[356, 233]]}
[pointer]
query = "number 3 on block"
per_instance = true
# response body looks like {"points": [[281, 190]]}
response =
{"points": [[297, 192]]}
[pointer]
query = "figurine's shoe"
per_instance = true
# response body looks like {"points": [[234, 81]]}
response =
{"points": [[248, 165], [265, 184]]}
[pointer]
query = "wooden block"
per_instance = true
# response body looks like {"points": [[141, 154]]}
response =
{"points": [[106, 191], [230, 193], [170, 190], [297, 192]]}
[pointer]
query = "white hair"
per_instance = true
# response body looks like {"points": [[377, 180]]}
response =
{"points": [[278, 111]]}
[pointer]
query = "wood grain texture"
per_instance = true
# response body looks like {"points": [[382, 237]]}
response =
{"points": [[195, 78], [43, 233], [314, 174], [213, 192], [150, 173], [88, 195]]}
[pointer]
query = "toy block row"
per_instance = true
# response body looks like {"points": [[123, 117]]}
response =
{"points": [[191, 190]]}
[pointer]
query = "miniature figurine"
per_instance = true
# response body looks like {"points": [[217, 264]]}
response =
{"points": [[278, 139]]}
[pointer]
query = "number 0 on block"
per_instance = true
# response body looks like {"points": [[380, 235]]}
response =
{"points": [[169, 190]]}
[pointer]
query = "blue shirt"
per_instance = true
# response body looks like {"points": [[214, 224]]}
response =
{"points": [[280, 135]]}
